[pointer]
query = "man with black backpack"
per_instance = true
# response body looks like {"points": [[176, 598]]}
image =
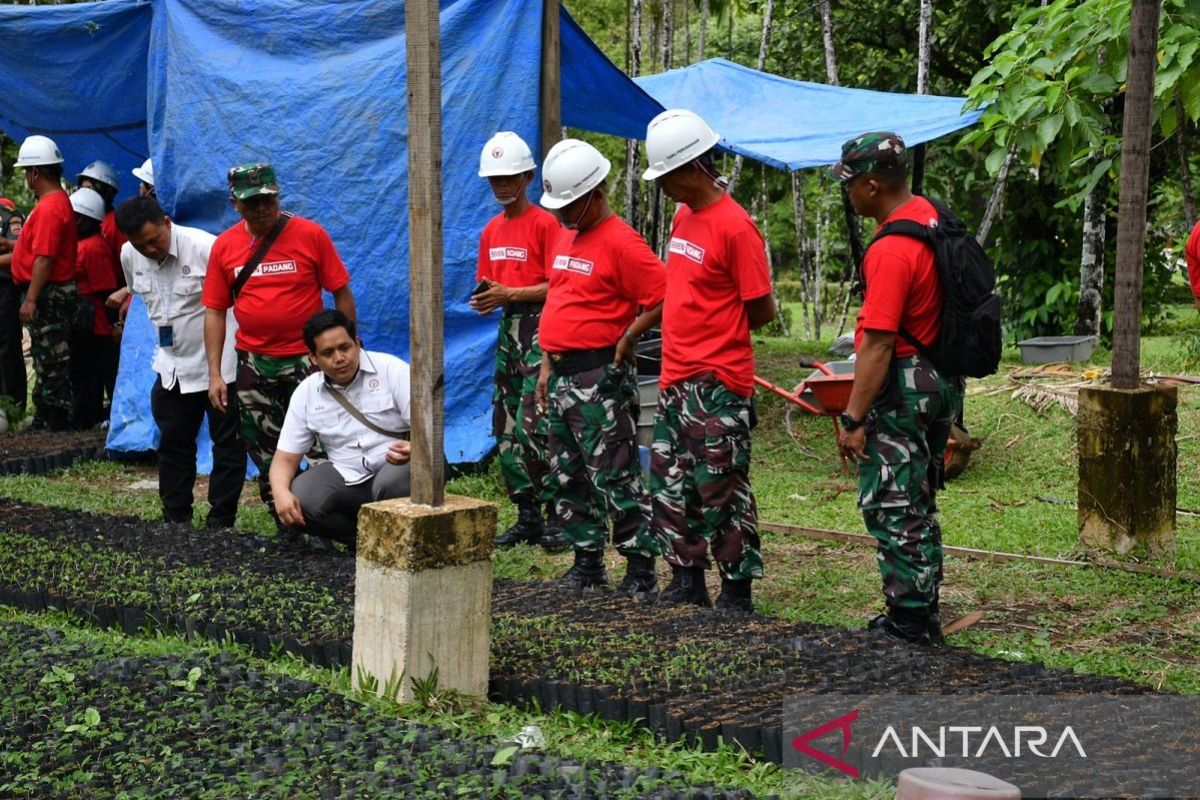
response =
{"points": [[897, 421]]}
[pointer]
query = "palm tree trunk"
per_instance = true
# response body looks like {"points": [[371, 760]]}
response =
{"points": [[700, 55], [1185, 166], [764, 43], [1091, 262], [923, 37], [1135, 177], [801, 247], [831, 73]]}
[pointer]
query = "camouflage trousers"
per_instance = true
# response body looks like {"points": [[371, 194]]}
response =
{"points": [[594, 460], [49, 337], [264, 389], [907, 429], [700, 478], [519, 429]]}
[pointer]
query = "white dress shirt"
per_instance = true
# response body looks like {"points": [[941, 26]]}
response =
{"points": [[380, 391], [171, 290]]}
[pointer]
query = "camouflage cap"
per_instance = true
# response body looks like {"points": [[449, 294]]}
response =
{"points": [[249, 180], [870, 152]]}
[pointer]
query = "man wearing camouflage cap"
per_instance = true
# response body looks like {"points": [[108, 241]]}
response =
{"points": [[898, 418], [294, 260]]}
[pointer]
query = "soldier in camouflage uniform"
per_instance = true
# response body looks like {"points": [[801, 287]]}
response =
{"points": [[605, 291], [43, 267], [271, 307], [898, 418], [513, 276], [718, 289]]}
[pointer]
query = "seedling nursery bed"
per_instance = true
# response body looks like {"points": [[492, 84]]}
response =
{"points": [[39, 452], [82, 719], [685, 673]]}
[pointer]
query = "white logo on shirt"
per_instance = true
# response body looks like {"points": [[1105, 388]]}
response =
{"points": [[579, 265], [508, 254], [686, 249], [272, 268]]}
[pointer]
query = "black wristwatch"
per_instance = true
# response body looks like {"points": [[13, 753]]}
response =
{"points": [[849, 423]]}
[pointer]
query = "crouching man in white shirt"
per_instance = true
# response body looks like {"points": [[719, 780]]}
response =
{"points": [[357, 408]]}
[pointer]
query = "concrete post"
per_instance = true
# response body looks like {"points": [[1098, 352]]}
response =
{"points": [[1127, 463], [423, 595]]}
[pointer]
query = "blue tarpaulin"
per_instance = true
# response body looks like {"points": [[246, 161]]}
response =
{"points": [[318, 88], [796, 124]]}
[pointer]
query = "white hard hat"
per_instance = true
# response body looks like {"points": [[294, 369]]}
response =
{"points": [[100, 171], [673, 138], [38, 151], [144, 173], [505, 154], [89, 203], [572, 169]]}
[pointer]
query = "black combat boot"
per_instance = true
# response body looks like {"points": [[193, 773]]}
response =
{"points": [[554, 538], [903, 624], [686, 586], [528, 528], [641, 579], [735, 596], [587, 573], [936, 637]]}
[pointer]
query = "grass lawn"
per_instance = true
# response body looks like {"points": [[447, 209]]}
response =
{"points": [[1017, 496]]}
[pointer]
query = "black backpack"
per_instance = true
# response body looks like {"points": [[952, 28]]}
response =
{"points": [[970, 340]]}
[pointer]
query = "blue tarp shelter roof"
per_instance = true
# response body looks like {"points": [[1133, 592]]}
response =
{"points": [[318, 88], [796, 124]]}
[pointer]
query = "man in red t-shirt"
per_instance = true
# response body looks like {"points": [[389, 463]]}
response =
{"points": [[1192, 253], [43, 267], [606, 288], [898, 418], [93, 351], [718, 289], [513, 275], [270, 307]]}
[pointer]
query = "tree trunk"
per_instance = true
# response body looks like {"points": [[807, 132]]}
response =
{"points": [[802, 246], [924, 34], [764, 43], [687, 31], [818, 269], [831, 74], [703, 39], [1091, 262], [668, 33], [993, 206], [632, 150], [1185, 166], [1135, 176]]}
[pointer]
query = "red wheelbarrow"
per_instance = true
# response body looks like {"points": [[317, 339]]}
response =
{"points": [[825, 393]]}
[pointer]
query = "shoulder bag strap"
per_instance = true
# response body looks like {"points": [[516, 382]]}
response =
{"points": [[259, 255], [345, 403]]}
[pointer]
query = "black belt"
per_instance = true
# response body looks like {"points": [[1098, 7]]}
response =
{"points": [[513, 309], [573, 362]]}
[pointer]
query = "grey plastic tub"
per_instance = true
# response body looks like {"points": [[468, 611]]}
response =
{"points": [[1045, 349]]}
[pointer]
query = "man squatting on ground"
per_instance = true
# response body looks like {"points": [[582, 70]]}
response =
{"points": [[165, 264], [43, 268], [718, 289], [606, 288], [513, 275], [358, 407], [281, 293], [897, 421]]}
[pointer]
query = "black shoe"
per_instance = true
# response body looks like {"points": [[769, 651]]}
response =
{"points": [[587, 573], [936, 637], [216, 525], [735, 596], [686, 586], [903, 624], [554, 540], [528, 528], [641, 579]]}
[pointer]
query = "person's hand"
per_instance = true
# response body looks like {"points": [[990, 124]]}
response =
{"points": [[218, 393], [28, 311], [487, 301], [117, 298], [287, 506], [399, 452], [117, 329], [624, 350], [542, 392], [853, 444], [6, 245]]}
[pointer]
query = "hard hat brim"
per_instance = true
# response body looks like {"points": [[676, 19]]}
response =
{"points": [[142, 175], [554, 203]]}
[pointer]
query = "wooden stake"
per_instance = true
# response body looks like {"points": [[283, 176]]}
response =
{"points": [[423, 50]]}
